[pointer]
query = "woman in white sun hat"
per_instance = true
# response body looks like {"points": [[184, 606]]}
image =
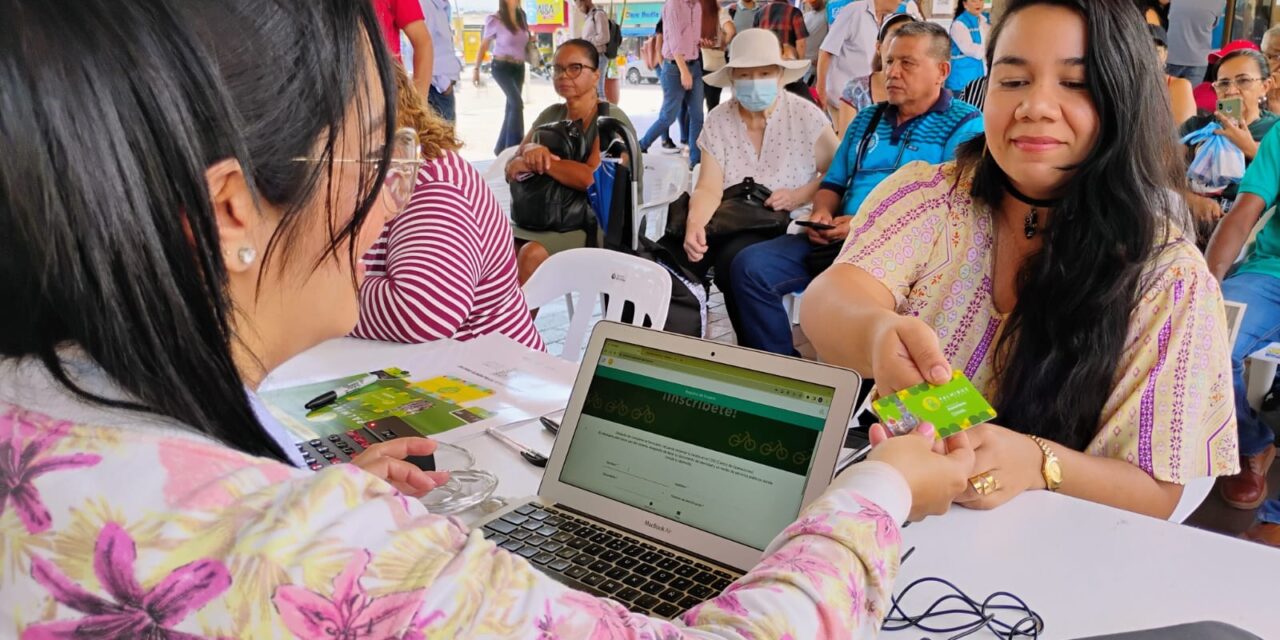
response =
{"points": [[777, 138]]}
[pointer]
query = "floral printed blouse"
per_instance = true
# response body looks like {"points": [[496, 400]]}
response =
{"points": [[1171, 411], [119, 525]]}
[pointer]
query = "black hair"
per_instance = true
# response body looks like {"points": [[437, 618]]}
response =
{"points": [[111, 116], [939, 39], [1056, 361], [521, 22], [959, 8], [1264, 68], [890, 21], [586, 47]]}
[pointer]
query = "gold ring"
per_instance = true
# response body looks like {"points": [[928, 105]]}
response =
{"points": [[984, 483]]}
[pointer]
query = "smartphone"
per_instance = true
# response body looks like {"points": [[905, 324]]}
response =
{"points": [[1232, 107], [817, 226]]}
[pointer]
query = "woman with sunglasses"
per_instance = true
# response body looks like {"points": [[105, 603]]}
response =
{"points": [[1242, 74], [169, 236], [574, 74], [445, 268]]}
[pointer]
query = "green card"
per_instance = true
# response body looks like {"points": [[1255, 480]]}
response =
{"points": [[950, 408]]}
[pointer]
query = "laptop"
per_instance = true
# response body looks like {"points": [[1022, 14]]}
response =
{"points": [[678, 461]]}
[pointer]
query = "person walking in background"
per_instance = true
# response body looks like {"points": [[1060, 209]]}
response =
{"points": [[1182, 98], [969, 32], [445, 65], [1191, 24], [744, 16], [507, 32], [396, 16], [786, 22], [850, 45], [681, 73], [815, 21], [717, 30], [595, 29]]}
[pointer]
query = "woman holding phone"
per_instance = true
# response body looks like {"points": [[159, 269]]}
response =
{"points": [[1243, 80]]}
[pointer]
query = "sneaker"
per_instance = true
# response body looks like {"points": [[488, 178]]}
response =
{"points": [[669, 147]]}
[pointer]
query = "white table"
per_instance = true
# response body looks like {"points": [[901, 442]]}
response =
{"points": [[1085, 568]]}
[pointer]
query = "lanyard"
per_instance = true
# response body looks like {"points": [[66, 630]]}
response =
{"points": [[871, 130]]}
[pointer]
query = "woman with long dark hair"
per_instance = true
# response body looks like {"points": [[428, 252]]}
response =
{"points": [[1052, 265], [506, 32], [168, 235]]}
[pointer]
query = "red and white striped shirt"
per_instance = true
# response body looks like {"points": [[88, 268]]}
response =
{"points": [[446, 266]]}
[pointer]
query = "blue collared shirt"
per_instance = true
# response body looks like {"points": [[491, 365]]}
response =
{"points": [[446, 67], [931, 136]]}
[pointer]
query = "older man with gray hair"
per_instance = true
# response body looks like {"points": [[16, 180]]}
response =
{"points": [[921, 121]]}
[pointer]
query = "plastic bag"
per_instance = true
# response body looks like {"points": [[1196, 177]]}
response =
{"points": [[1217, 165]]}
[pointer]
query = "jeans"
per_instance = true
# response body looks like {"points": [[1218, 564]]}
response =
{"points": [[1195, 75], [443, 103], [673, 94], [762, 275], [602, 64], [1260, 327], [510, 78]]}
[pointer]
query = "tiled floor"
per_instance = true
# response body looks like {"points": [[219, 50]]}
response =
{"points": [[1213, 515]]}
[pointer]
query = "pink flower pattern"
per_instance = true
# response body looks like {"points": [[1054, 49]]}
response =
{"points": [[350, 614], [132, 612], [22, 460]]}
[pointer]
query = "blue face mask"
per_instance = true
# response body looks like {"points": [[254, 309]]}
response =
{"points": [[756, 94]]}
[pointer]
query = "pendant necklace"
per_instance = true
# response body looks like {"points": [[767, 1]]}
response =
{"points": [[1031, 223]]}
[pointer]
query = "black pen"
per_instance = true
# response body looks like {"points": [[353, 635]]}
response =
{"points": [[550, 425], [329, 397], [533, 457]]}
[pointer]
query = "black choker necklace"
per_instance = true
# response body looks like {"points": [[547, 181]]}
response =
{"points": [[1031, 223]]}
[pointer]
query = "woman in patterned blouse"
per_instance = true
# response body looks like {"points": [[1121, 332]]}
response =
{"points": [[1050, 265], [190, 186]]}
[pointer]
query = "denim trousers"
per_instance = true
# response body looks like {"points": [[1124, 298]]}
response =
{"points": [[1260, 327], [762, 274], [510, 78], [673, 96], [444, 103]]}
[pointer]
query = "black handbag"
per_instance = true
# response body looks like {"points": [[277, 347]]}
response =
{"points": [[741, 209], [539, 203]]}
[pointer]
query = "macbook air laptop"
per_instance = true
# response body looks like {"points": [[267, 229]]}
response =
{"points": [[677, 462]]}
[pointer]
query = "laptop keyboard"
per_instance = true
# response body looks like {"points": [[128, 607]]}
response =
{"points": [[581, 554]]}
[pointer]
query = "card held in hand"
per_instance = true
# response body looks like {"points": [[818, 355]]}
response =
{"points": [[950, 408]]}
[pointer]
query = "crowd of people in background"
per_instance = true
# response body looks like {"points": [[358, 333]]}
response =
{"points": [[830, 99], [1008, 200]]}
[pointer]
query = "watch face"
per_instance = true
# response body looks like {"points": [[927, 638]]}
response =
{"points": [[1055, 474]]}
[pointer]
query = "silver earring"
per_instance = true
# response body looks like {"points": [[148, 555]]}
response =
{"points": [[246, 255]]}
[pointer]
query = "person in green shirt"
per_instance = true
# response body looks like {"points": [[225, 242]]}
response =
{"points": [[1255, 282], [1243, 73]]}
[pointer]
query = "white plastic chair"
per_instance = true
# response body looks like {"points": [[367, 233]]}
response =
{"points": [[1193, 493], [497, 170], [593, 274]]}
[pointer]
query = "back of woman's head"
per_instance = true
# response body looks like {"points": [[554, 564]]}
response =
{"points": [[112, 115], [1059, 351]]}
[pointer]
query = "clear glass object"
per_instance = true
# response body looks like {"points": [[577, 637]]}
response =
{"points": [[467, 487]]}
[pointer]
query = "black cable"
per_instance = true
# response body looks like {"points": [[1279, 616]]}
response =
{"points": [[981, 614]]}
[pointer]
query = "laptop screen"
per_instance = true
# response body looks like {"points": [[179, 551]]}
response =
{"points": [[717, 447]]}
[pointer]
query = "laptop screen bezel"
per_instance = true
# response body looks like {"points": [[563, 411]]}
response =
{"points": [[844, 382]]}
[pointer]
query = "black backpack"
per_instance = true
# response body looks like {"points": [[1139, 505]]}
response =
{"points": [[615, 40], [539, 203]]}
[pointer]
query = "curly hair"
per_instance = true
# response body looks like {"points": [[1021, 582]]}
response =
{"points": [[436, 134]]}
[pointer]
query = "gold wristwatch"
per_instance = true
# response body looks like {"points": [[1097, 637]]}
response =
{"points": [[1051, 469]]}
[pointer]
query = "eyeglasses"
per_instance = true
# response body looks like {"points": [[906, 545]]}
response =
{"points": [[572, 71], [1245, 83], [402, 171]]}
